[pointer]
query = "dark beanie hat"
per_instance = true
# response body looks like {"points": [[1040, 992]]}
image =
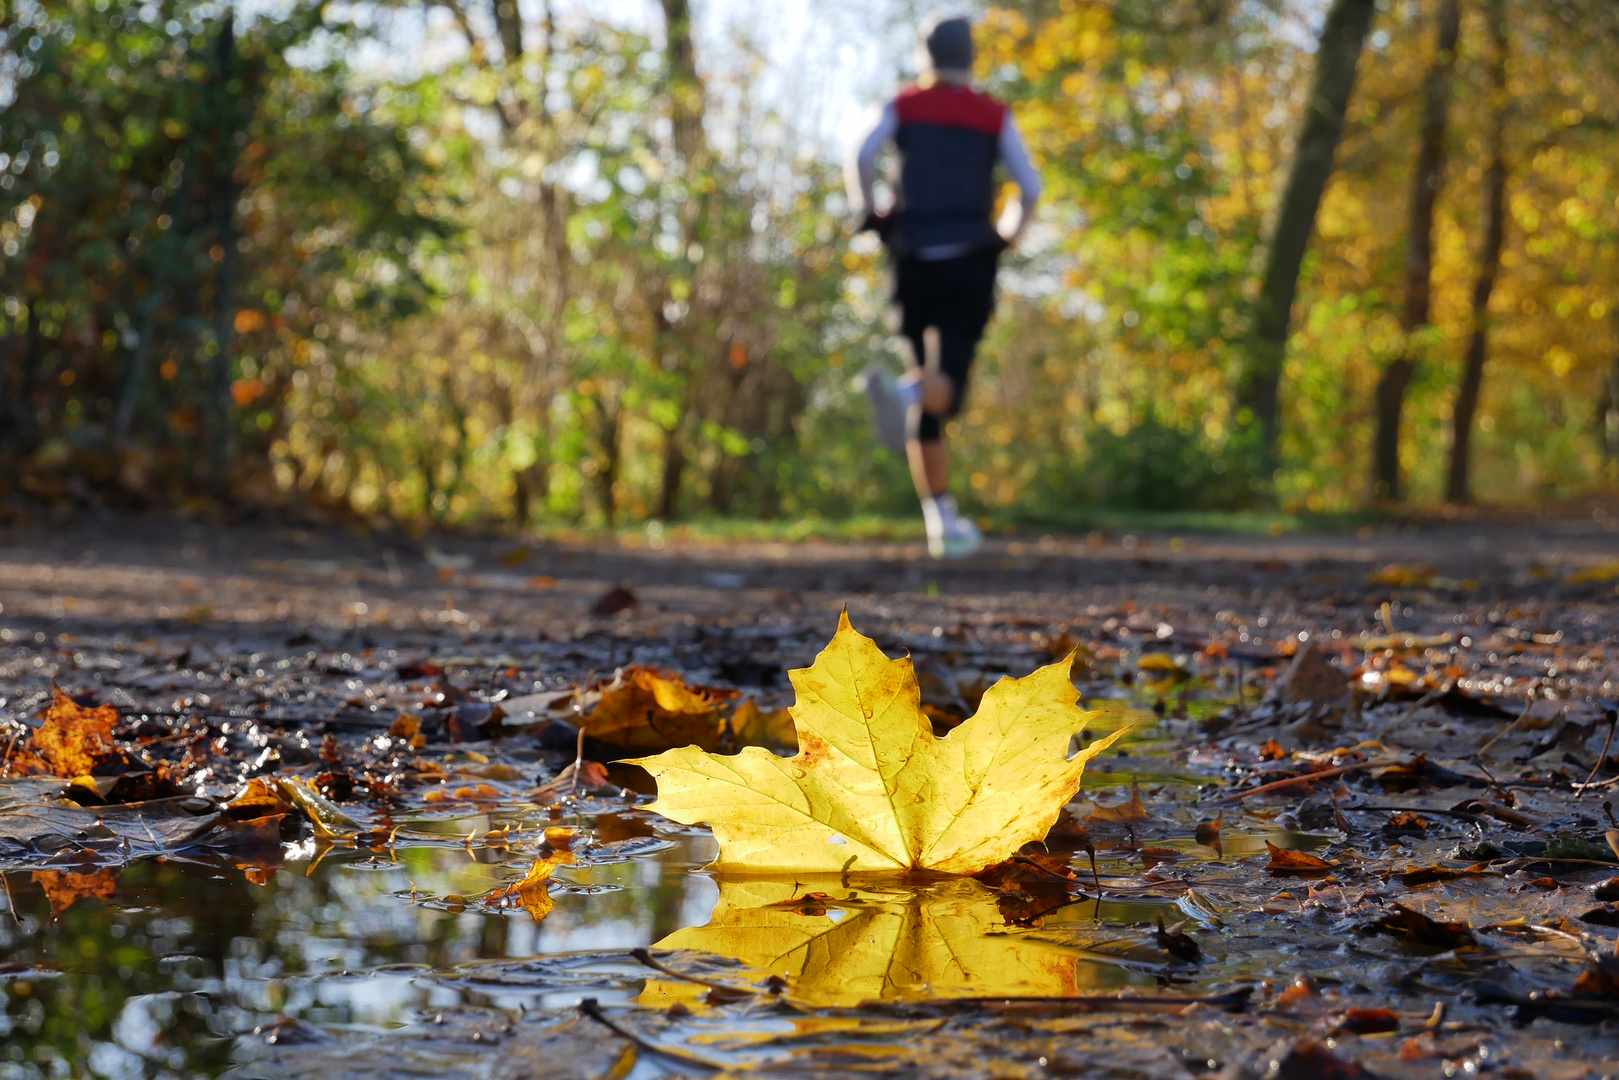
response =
{"points": [[949, 41]]}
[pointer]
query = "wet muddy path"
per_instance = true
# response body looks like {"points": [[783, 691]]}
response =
{"points": [[316, 843]]}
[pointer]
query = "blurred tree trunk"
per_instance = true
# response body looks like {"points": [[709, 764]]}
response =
{"points": [[1425, 184], [1337, 54], [607, 473], [509, 27], [1610, 443], [226, 194], [1458, 485], [687, 106]]}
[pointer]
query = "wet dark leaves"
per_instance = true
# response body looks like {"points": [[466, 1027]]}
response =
{"points": [[1606, 915], [620, 598], [1363, 1021], [1549, 1005], [1311, 1060], [322, 719], [1177, 943], [1412, 925]]}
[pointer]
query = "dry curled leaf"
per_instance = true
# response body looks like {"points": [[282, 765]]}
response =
{"points": [[871, 787], [1414, 925]]}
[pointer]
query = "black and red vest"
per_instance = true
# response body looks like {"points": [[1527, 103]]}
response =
{"points": [[949, 141]]}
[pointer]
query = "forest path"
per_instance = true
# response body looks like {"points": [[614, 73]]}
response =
{"points": [[173, 578]]}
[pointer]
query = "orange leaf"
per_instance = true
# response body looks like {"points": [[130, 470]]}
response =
{"points": [[66, 889], [1294, 862], [73, 741], [534, 891]]}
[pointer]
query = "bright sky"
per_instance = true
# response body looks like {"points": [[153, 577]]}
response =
{"points": [[825, 61]]}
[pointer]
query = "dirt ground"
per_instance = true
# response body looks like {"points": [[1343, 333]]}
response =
{"points": [[155, 576], [1453, 682]]}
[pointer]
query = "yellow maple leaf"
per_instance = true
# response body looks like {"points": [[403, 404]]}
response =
{"points": [[871, 788], [752, 726], [948, 938]]}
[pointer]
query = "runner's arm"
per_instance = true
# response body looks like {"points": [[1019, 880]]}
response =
{"points": [[860, 171], [1015, 155]]}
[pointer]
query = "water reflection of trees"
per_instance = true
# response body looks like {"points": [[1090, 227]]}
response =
{"points": [[156, 980]]}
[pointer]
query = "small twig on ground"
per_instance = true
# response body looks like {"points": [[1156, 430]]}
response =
{"points": [[1231, 1001], [645, 956], [1478, 755], [1471, 819], [588, 1007], [1024, 860], [11, 905], [578, 763], [1306, 778], [1613, 719], [5, 762], [1422, 702], [1506, 796]]}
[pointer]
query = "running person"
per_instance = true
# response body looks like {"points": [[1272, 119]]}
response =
{"points": [[943, 245]]}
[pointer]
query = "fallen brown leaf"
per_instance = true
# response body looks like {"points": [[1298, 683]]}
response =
{"points": [[1283, 861]]}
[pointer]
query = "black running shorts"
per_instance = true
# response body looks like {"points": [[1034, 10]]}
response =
{"points": [[956, 297]]}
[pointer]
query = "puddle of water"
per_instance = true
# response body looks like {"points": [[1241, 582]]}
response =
{"points": [[172, 957], [154, 970]]}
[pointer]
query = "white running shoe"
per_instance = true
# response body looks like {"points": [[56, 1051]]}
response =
{"points": [[950, 536], [887, 410]]}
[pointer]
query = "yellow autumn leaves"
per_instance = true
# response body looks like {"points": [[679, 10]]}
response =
{"points": [[871, 788]]}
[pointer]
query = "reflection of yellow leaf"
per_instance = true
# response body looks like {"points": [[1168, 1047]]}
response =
{"points": [[947, 939], [871, 788], [751, 726], [644, 709], [534, 891]]}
